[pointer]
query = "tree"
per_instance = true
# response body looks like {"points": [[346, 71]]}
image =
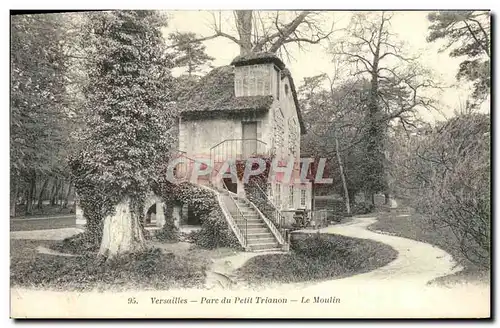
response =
{"points": [[269, 31], [39, 124], [396, 85], [126, 139], [333, 117], [445, 172], [189, 53], [467, 34]]}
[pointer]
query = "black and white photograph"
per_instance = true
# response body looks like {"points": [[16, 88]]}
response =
{"points": [[250, 164]]}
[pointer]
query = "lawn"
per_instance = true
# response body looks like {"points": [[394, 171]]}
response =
{"points": [[160, 268], [316, 257], [418, 227]]}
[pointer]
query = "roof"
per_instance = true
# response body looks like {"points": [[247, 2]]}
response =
{"points": [[286, 73], [258, 58], [215, 93]]}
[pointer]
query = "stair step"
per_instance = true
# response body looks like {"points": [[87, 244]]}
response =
{"points": [[260, 235], [263, 246], [257, 230], [267, 250], [251, 225], [260, 241]]}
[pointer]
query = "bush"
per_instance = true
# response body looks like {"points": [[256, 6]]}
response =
{"points": [[317, 257], [214, 232], [169, 232], [151, 269], [81, 243], [362, 208], [446, 175]]}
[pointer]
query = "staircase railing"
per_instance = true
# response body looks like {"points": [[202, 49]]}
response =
{"points": [[274, 215], [236, 149], [240, 219]]}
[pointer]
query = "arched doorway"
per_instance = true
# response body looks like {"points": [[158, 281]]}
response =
{"points": [[150, 217], [154, 214]]}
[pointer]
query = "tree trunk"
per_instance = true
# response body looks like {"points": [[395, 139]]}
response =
{"points": [[244, 26], [60, 194], [42, 192], [13, 195], [342, 175], [30, 193], [53, 193], [66, 199], [122, 232]]}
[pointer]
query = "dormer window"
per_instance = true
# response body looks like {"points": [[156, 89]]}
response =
{"points": [[252, 80]]}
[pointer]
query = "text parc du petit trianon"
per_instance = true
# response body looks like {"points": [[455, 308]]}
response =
{"points": [[284, 171], [246, 300]]}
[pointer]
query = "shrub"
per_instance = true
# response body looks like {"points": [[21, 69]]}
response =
{"points": [[151, 269], [214, 232], [362, 208], [318, 256], [446, 176], [81, 243], [169, 232]]}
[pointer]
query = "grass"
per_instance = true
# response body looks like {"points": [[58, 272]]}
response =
{"points": [[46, 210], [420, 228], [155, 269], [316, 257]]}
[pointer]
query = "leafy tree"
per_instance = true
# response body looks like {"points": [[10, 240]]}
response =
{"points": [[127, 135], [445, 172], [39, 122], [189, 53], [467, 34], [334, 119]]}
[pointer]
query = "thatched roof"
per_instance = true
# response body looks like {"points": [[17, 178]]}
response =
{"points": [[286, 73], [258, 58], [215, 93]]}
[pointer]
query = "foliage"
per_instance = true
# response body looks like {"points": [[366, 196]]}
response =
{"points": [[126, 139], [151, 269], [40, 121], [336, 113], [318, 257], [189, 52], [214, 232], [397, 85], [468, 34], [446, 173], [362, 208], [203, 203]]}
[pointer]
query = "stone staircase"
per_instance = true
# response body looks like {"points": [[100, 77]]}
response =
{"points": [[258, 235]]}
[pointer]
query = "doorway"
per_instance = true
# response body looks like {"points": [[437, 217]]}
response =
{"points": [[249, 139]]}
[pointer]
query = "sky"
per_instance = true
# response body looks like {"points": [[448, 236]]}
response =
{"points": [[410, 27]]}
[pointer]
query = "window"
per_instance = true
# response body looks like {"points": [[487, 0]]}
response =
{"points": [[290, 196], [286, 89], [302, 198], [252, 80]]}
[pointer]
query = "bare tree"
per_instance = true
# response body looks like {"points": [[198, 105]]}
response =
{"points": [[396, 85], [261, 32]]}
